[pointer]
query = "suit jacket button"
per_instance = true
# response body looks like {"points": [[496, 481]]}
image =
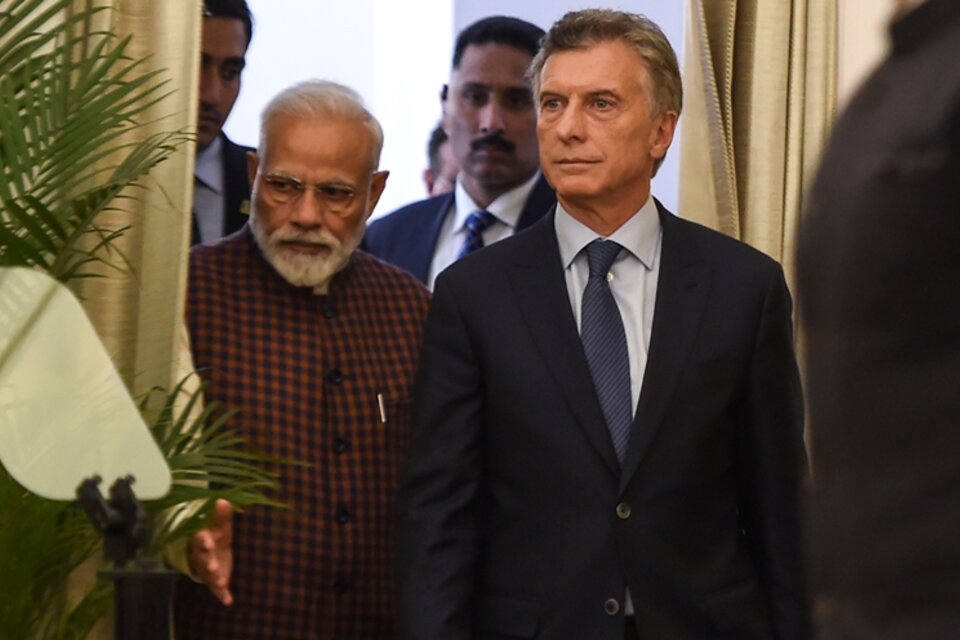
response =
{"points": [[623, 511], [612, 607]]}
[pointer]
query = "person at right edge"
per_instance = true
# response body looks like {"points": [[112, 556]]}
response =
{"points": [[608, 432], [879, 267]]}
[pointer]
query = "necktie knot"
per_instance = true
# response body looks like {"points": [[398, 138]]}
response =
{"points": [[477, 223], [600, 256]]}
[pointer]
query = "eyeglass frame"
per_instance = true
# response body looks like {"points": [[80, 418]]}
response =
{"points": [[322, 190]]}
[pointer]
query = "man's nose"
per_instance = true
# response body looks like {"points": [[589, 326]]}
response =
{"points": [[211, 86], [570, 124], [307, 210], [491, 117]]}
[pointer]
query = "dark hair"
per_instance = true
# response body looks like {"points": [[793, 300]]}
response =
{"points": [[437, 137], [237, 9], [502, 30]]}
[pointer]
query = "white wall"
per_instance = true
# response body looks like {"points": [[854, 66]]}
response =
{"points": [[366, 44], [397, 56]]}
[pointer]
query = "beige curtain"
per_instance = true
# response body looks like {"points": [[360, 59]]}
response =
{"points": [[759, 77], [139, 312]]}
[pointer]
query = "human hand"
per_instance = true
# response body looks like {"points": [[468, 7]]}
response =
{"points": [[210, 552]]}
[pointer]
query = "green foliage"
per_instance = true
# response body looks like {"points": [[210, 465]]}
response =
{"points": [[42, 541], [69, 97], [71, 146]]}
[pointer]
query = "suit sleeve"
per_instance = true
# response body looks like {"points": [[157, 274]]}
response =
{"points": [[773, 463], [438, 525]]}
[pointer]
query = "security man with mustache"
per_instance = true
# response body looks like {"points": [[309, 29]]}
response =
{"points": [[221, 199], [489, 116]]}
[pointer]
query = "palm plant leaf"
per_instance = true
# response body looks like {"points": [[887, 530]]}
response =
{"points": [[71, 148], [65, 149]]}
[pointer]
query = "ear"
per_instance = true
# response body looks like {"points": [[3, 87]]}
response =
{"points": [[428, 180], [662, 134], [377, 184], [253, 163]]}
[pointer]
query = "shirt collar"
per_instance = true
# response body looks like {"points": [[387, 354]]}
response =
{"points": [[506, 208], [209, 169], [639, 235]]}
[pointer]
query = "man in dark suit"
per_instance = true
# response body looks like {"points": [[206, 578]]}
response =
{"points": [[879, 275], [221, 188], [489, 117], [606, 451]]}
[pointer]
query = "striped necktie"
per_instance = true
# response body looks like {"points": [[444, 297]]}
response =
{"points": [[477, 223], [605, 344]]}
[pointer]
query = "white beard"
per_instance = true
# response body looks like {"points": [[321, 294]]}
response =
{"points": [[301, 269]]}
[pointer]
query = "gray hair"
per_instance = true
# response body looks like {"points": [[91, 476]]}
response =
{"points": [[582, 29], [316, 99]]}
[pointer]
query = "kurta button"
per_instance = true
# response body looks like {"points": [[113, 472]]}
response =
{"points": [[334, 376], [341, 586], [340, 445], [612, 607], [328, 312], [623, 511], [343, 515]]}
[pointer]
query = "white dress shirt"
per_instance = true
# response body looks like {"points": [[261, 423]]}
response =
{"points": [[208, 192], [506, 209]]}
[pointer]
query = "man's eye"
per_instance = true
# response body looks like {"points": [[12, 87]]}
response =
{"points": [[335, 193], [283, 186], [550, 105], [519, 101], [472, 97], [602, 103], [229, 74]]}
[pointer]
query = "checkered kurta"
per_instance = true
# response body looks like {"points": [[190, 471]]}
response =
{"points": [[306, 371]]}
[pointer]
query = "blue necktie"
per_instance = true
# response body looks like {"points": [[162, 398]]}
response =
{"points": [[605, 345], [477, 223]]}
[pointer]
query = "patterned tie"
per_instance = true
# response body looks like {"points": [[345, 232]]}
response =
{"points": [[605, 344], [477, 223]]}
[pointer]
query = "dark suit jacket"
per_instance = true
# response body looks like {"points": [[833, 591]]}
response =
{"points": [[516, 520], [408, 237], [236, 189], [879, 268]]}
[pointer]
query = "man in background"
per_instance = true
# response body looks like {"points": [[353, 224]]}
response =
{"points": [[441, 173], [609, 422], [489, 117], [879, 275], [221, 199], [315, 344]]}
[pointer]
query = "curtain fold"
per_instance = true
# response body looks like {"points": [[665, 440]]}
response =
{"points": [[759, 79], [138, 311]]}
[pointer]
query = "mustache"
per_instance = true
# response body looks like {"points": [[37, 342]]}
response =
{"points": [[493, 140]]}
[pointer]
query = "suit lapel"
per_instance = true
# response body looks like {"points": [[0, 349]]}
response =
{"points": [[538, 282], [423, 241], [236, 186], [682, 290]]}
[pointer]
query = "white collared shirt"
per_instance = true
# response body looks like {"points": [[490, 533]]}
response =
{"points": [[633, 281], [506, 209], [208, 192]]}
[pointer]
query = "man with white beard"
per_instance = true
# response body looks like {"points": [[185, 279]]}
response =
{"points": [[316, 345]]}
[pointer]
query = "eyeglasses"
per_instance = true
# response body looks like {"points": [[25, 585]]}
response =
{"points": [[335, 197]]}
